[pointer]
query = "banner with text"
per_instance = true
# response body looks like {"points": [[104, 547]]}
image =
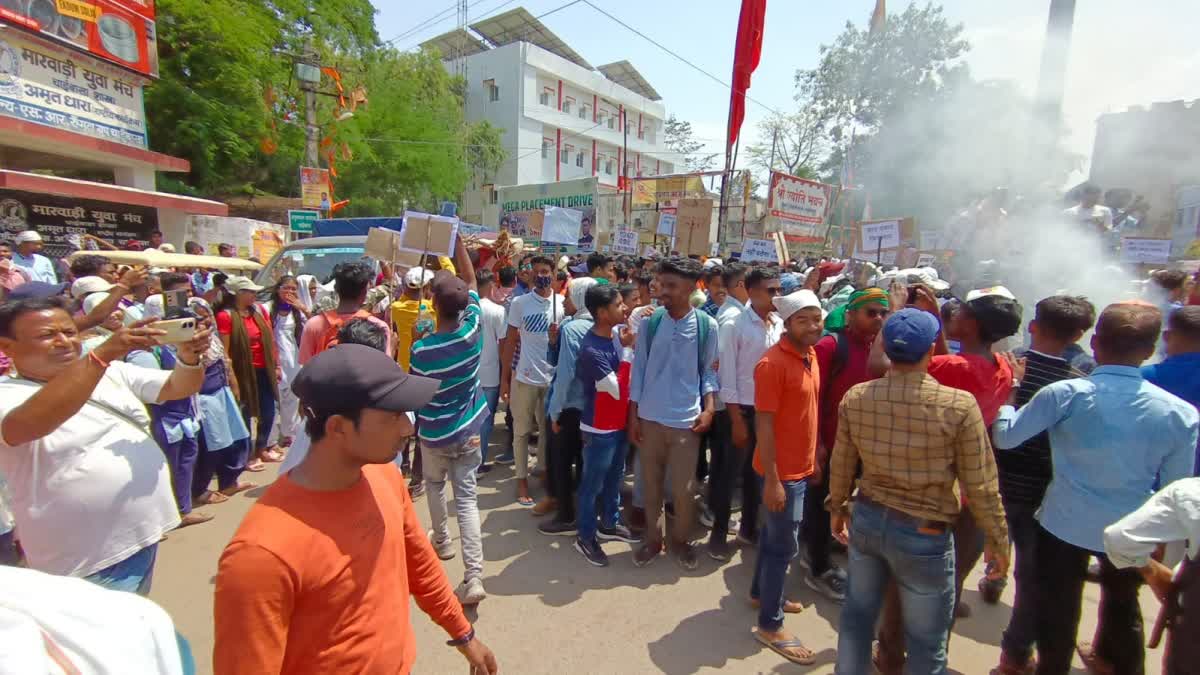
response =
{"points": [[1152, 251], [759, 250], [61, 220], [518, 203], [797, 200], [40, 85], [651, 191]]}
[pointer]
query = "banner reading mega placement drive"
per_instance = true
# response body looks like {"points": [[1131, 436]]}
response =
{"points": [[518, 202]]}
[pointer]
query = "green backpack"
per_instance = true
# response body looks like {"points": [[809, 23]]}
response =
{"points": [[703, 329]]}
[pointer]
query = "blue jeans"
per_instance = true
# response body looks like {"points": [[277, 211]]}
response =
{"points": [[603, 469], [491, 395], [1021, 633], [778, 543], [132, 574], [883, 546]]}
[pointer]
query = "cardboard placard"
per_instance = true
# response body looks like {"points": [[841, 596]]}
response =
{"points": [[383, 244], [625, 241], [561, 226], [1137, 250], [760, 250], [693, 220], [428, 234], [879, 235]]}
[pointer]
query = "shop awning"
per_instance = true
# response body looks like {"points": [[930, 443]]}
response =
{"points": [[69, 187]]}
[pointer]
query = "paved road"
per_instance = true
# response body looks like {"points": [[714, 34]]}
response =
{"points": [[550, 612]]}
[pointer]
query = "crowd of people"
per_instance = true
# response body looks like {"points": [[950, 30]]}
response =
{"points": [[797, 411]]}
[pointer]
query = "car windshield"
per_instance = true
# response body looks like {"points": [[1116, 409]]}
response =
{"points": [[317, 261]]}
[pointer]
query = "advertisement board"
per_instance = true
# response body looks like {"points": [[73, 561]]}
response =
{"points": [[245, 234], [519, 203], [117, 31], [797, 200], [314, 188], [61, 220], [41, 85], [650, 191]]}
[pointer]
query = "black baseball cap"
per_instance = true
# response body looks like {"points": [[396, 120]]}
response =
{"points": [[450, 294], [357, 377]]}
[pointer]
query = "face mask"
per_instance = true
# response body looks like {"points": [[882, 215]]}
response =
{"points": [[543, 282]]}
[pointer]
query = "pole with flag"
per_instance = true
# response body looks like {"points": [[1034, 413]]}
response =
{"points": [[746, 55], [878, 18]]}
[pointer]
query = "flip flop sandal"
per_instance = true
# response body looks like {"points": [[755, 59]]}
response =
{"points": [[781, 648], [526, 502], [212, 497], [789, 606], [256, 468]]}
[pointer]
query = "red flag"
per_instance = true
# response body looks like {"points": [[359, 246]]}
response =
{"points": [[746, 56]]}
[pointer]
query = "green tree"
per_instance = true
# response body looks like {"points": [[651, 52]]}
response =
{"points": [[685, 149], [794, 143]]}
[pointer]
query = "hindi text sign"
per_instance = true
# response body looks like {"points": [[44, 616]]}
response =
{"points": [[1156, 251], [759, 250], [798, 200], [625, 241], [885, 234]]}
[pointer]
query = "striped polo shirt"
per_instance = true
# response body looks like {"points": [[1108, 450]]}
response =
{"points": [[457, 409]]}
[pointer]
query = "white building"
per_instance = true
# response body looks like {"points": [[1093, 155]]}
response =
{"points": [[560, 118]]}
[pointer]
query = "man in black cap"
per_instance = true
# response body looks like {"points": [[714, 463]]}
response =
{"points": [[318, 575]]}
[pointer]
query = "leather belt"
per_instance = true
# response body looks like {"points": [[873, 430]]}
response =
{"points": [[922, 525]]}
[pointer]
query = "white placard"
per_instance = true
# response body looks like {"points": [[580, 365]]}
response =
{"points": [[880, 235], [759, 250], [883, 257], [562, 226], [926, 260], [931, 240], [1145, 250], [625, 241], [716, 248], [649, 252], [666, 224]]}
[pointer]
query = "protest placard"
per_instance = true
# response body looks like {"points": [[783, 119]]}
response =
{"points": [[428, 234], [931, 240], [561, 225], [384, 245], [693, 218], [926, 259], [625, 241], [649, 252], [1136, 250], [759, 250], [666, 224], [885, 234], [798, 200]]}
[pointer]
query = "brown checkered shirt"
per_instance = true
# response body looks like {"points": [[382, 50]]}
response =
{"points": [[917, 441]]}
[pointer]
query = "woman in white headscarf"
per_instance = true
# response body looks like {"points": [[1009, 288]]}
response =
{"points": [[306, 290], [288, 316]]}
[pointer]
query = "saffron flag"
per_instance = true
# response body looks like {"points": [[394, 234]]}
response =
{"points": [[746, 56], [878, 17]]}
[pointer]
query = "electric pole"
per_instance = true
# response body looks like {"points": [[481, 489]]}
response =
{"points": [[308, 72]]}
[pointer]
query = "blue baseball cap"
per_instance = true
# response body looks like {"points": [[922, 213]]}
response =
{"points": [[31, 290], [908, 334]]}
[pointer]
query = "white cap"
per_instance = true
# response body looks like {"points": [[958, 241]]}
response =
{"points": [[236, 284], [84, 286], [167, 248], [417, 277], [788, 305], [712, 262], [991, 290], [28, 236]]}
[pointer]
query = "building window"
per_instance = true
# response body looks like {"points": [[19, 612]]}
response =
{"points": [[544, 97], [565, 156], [567, 103], [495, 196], [585, 111], [608, 166], [546, 143], [612, 122], [628, 169], [493, 92], [641, 134], [579, 160]]}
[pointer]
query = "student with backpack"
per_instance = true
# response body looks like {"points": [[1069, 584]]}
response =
{"points": [[351, 282], [672, 402]]}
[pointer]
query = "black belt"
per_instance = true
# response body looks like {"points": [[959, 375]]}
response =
{"points": [[922, 525]]}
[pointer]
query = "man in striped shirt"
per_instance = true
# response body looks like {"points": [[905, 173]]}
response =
{"points": [[1025, 471], [449, 424]]}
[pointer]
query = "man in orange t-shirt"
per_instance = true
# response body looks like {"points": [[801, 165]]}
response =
{"points": [[317, 577], [786, 398]]}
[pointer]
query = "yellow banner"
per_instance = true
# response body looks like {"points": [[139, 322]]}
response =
{"points": [[655, 190], [78, 9]]}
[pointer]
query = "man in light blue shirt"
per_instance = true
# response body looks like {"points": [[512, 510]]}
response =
{"points": [[28, 258], [1113, 437], [672, 403]]}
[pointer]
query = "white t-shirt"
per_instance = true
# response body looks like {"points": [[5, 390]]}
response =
{"points": [[532, 315], [97, 490], [494, 329], [1097, 216]]}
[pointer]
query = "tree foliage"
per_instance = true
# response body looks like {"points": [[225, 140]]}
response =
{"points": [[686, 150], [794, 143], [227, 85]]}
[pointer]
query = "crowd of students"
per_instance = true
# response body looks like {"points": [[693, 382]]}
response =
{"points": [[830, 409]]}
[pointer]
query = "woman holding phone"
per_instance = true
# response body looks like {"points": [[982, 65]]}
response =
{"points": [[248, 338], [288, 314]]}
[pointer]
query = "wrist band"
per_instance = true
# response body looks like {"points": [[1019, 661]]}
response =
{"points": [[97, 360], [458, 642]]}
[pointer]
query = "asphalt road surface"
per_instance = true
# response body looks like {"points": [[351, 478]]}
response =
{"points": [[548, 611]]}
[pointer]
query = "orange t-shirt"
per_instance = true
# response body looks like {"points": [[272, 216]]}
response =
{"points": [[785, 386], [318, 582]]}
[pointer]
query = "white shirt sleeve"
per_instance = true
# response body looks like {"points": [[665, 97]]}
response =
{"points": [[515, 312], [727, 373], [1173, 514], [145, 383]]}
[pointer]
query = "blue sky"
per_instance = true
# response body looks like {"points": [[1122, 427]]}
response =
{"points": [[1125, 52]]}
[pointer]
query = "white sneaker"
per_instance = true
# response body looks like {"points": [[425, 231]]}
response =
{"points": [[444, 549], [470, 592]]}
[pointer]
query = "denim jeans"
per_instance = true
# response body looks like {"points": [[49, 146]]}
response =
{"points": [[883, 546], [603, 469], [1021, 633], [456, 464], [133, 574], [778, 543], [491, 395]]}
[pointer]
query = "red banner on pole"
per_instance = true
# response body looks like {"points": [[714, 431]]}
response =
{"points": [[746, 56]]}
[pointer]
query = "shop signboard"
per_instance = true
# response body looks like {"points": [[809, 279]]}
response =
{"points": [[42, 85], [63, 220], [117, 31]]}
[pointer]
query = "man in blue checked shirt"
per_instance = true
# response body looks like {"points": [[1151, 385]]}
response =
{"points": [[1113, 437]]}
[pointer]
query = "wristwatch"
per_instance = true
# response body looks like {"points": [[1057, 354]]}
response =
{"points": [[461, 641]]}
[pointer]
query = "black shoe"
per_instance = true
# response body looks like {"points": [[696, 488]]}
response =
{"points": [[557, 527], [618, 532], [719, 549], [591, 552], [416, 489], [506, 457], [483, 469]]}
